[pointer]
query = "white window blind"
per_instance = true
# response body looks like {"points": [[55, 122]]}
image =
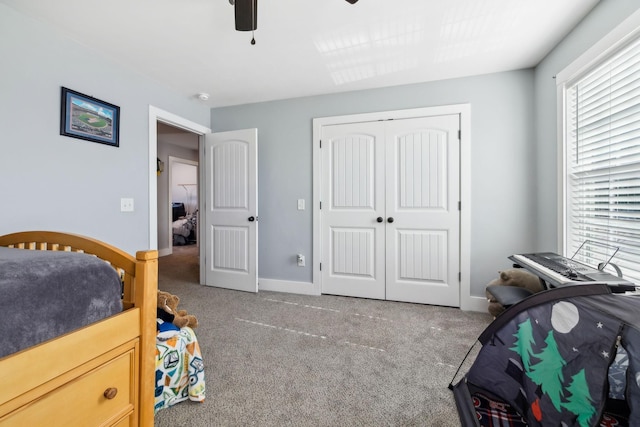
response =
{"points": [[602, 154]]}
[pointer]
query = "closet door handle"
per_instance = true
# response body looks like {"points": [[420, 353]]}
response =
{"points": [[379, 219], [251, 219], [390, 219]]}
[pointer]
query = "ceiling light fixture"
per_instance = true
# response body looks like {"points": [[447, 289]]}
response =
{"points": [[203, 96], [246, 16]]}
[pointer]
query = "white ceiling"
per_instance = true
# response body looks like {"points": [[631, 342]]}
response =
{"points": [[311, 47]]}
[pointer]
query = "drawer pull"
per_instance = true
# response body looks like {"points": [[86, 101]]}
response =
{"points": [[110, 393]]}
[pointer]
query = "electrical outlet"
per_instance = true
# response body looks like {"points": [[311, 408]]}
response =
{"points": [[126, 205], [300, 260]]}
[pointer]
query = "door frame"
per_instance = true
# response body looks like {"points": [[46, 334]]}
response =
{"points": [[464, 110], [158, 115]]}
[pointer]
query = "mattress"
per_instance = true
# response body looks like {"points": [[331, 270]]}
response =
{"points": [[48, 293]]}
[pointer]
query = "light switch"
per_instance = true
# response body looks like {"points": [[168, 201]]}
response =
{"points": [[300, 204], [126, 205]]}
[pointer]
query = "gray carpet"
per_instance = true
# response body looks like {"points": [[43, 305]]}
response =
{"points": [[278, 359]]}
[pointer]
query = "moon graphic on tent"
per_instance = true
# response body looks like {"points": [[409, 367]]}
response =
{"points": [[564, 317]]}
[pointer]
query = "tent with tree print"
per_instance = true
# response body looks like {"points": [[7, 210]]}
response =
{"points": [[565, 357]]}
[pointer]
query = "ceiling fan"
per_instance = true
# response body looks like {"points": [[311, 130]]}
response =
{"points": [[246, 15]]}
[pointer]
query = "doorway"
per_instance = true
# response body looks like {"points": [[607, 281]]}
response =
{"points": [[207, 158], [183, 196], [177, 177], [159, 206]]}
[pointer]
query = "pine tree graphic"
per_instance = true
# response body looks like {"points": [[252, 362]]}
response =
{"points": [[579, 401], [547, 373], [524, 343]]}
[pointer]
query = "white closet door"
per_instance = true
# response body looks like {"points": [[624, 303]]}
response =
{"points": [[390, 218], [423, 190], [352, 201]]}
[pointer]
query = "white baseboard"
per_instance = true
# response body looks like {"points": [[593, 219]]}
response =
{"points": [[304, 288], [472, 303], [165, 252]]}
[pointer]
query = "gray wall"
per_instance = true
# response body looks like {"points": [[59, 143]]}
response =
{"points": [[54, 182], [59, 183], [603, 18], [502, 175], [513, 154]]}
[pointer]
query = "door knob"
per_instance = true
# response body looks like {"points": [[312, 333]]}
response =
{"points": [[379, 219], [251, 219], [390, 219]]}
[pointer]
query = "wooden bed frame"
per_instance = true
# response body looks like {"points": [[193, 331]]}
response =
{"points": [[102, 374]]}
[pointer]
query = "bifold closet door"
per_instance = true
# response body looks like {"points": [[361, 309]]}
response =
{"points": [[390, 217], [353, 186], [423, 191]]}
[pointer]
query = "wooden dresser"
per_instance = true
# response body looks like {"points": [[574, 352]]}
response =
{"points": [[95, 386]]}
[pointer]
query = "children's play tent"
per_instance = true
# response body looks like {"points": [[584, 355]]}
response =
{"points": [[568, 356]]}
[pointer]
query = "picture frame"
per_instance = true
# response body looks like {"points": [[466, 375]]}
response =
{"points": [[88, 118]]}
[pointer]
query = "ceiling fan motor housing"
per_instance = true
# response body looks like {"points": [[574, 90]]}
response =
{"points": [[246, 15]]}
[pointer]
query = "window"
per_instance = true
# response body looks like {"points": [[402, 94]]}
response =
{"points": [[601, 144]]}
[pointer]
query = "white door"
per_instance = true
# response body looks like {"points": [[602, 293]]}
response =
{"points": [[231, 214], [353, 210], [423, 219], [390, 219]]}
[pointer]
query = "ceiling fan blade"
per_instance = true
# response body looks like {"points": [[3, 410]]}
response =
{"points": [[246, 12]]}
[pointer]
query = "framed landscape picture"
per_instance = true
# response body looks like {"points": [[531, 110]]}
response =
{"points": [[88, 118]]}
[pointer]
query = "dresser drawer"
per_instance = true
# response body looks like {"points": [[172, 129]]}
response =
{"points": [[100, 397]]}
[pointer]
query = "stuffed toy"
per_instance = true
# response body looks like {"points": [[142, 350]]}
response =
{"points": [[514, 277], [167, 311]]}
